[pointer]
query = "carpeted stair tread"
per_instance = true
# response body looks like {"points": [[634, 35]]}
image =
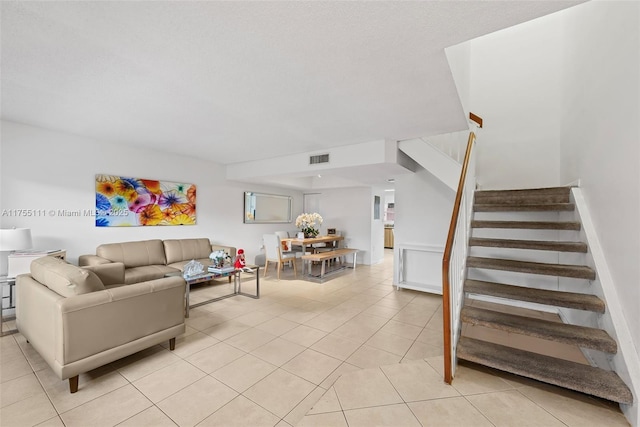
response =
{"points": [[580, 336], [527, 196], [563, 270], [563, 373], [529, 244], [541, 207], [541, 296], [523, 192], [531, 225], [529, 200]]}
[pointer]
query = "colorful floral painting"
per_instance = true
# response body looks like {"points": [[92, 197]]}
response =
{"points": [[131, 202]]}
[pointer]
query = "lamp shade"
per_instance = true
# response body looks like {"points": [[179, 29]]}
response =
{"points": [[15, 239]]}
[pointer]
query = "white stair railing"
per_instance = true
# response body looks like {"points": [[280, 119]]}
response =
{"points": [[455, 258], [453, 144]]}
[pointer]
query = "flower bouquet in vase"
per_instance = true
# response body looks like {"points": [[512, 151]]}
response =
{"points": [[221, 263], [307, 223]]}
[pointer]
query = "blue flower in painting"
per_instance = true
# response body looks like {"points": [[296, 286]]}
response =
{"points": [[119, 203], [102, 222], [102, 203], [134, 183], [171, 198]]}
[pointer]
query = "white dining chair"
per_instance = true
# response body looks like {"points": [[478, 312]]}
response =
{"points": [[286, 246], [273, 252]]}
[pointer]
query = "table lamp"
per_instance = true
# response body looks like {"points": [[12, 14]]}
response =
{"points": [[12, 239]]}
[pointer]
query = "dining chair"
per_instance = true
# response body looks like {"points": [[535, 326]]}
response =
{"points": [[273, 252], [286, 246]]}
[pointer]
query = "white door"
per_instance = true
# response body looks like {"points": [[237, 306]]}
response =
{"points": [[311, 203]]}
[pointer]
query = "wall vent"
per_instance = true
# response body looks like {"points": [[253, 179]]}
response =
{"points": [[319, 158]]}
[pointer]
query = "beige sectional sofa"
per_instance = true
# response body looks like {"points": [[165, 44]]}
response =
{"points": [[133, 262], [78, 319]]}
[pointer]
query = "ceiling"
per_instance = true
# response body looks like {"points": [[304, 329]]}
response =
{"points": [[238, 81]]}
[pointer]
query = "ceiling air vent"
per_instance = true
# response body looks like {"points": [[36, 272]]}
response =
{"points": [[320, 158]]}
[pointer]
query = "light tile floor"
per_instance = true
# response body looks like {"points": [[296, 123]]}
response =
{"points": [[352, 351]]}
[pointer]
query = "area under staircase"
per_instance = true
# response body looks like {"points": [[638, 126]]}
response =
{"points": [[513, 260]]}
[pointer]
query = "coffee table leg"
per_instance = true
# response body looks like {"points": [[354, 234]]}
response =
{"points": [[258, 281], [186, 297]]}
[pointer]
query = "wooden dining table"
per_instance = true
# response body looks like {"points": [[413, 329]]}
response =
{"points": [[329, 238]]}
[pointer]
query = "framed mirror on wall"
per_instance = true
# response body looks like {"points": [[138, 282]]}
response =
{"points": [[261, 208]]}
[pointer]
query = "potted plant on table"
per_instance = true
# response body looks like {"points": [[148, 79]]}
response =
{"points": [[307, 223]]}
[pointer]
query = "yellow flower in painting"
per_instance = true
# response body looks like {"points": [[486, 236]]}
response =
{"points": [[185, 208], [130, 195], [152, 186], [183, 219], [191, 194], [106, 187], [150, 215], [168, 215]]}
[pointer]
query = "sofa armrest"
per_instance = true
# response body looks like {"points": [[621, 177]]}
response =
{"points": [[86, 260], [80, 333], [110, 274], [36, 315], [228, 249], [98, 321]]}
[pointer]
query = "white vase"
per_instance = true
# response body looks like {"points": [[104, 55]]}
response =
{"points": [[300, 235]]}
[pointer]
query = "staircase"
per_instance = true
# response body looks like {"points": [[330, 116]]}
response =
{"points": [[522, 271]]}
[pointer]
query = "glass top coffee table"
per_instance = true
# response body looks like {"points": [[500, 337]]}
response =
{"points": [[207, 276]]}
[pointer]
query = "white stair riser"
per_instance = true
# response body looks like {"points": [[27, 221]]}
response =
{"points": [[514, 254], [516, 216], [524, 234]]}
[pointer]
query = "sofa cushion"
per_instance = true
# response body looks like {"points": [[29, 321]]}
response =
{"points": [[110, 274], [186, 249], [134, 254], [63, 278], [145, 273]]}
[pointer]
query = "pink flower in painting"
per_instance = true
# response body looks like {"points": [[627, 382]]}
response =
{"points": [[141, 201]]}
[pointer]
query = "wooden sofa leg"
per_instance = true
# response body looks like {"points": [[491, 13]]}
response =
{"points": [[73, 384], [172, 344]]}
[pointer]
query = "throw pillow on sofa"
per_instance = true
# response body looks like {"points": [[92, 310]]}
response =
{"points": [[63, 278]]}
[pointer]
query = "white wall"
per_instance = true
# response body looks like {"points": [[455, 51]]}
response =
{"points": [[459, 59], [601, 134], [350, 211], [516, 89], [47, 170], [423, 212]]}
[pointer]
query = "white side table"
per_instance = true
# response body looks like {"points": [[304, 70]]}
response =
{"points": [[9, 282]]}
